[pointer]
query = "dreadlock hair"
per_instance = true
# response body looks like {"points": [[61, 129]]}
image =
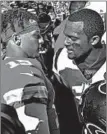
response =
{"points": [[93, 23], [15, 20]]}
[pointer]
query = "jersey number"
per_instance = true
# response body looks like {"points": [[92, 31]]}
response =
{"points": [[16, 63]]}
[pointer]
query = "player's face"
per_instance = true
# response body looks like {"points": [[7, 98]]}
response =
{"points": [[76, 41], [30, 43]]}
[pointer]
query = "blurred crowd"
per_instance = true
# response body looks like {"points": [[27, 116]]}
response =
{"points": [[60, 7]]}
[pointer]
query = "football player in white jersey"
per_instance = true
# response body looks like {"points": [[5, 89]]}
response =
{"points": [[82, 61]]}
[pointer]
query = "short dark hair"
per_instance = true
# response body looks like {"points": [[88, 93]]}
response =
{"points": [[93, 23]]}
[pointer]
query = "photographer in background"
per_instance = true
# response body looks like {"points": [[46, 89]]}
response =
{"points": [[46, 29]]}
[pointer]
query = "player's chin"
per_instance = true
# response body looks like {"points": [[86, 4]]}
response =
{"points": [[71, 56]]}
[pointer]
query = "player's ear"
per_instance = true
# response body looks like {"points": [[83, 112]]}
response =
{"points": [[94, 40]]}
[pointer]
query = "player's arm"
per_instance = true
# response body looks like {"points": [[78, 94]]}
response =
{"points": [[35, 98], [51, 111], [57, 76]]}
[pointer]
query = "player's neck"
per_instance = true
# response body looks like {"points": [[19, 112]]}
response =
{"points": [[13, 54], [93, 57]]}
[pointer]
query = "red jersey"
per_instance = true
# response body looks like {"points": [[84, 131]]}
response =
{"points": [[23, 79]]}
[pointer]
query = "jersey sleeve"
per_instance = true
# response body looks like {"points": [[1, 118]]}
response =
{"points": [[35, 93]]}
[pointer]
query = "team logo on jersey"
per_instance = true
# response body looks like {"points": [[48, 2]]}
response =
{"points": [[94, 129], [102, 88]]}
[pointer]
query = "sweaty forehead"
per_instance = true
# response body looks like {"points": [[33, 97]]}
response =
{"points": [[74, 27]]}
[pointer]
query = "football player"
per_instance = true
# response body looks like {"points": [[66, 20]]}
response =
{"points": [[25, 86], [84, 55]]}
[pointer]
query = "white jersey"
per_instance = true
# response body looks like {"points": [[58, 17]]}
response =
{"points": [[63, 63]]}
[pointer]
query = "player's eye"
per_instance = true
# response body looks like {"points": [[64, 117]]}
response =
{"points": [[73, 38]]}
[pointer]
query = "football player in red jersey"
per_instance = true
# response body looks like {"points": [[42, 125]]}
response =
{"points": [[25, 86]]}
